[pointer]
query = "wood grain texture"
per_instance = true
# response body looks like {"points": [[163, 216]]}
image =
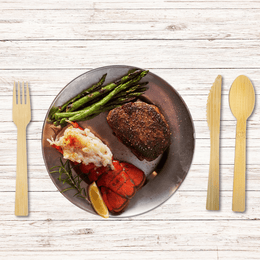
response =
{"points": [[214, 254], [187, 43], [197, 107], [149, 235], [21, 116], [40, 181], [91, 54], [213, 118], [175, 209], [242, 102], [201, 157], [187, 81], [111, 24], [134, 4]]}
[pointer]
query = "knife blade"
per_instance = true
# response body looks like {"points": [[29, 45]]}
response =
{"points": [[213, 118]]}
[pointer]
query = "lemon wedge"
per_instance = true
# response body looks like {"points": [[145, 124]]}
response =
{"points": [[97, 201]]}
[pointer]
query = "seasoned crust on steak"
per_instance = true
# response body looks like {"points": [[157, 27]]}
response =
{"points": [[142, 128]]}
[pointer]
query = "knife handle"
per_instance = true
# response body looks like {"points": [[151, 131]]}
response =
{"points": [[239, 185], [213, 180]]}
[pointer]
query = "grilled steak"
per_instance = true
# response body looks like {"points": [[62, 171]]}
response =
{"points": [[142, 128]]}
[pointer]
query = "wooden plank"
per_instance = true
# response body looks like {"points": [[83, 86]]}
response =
{"points": [[196, 180], [122, 254], [196, 105], [134, 4], [41, 82], [129, 24], [38, 178], [34, 132], [131, 235], [169, 54], [55, 207], [185, 81], [133, 254], [201, 156], [202, 147], [201, 127]]}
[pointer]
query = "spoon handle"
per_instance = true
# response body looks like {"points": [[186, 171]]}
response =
{"points": [[239, 184]]}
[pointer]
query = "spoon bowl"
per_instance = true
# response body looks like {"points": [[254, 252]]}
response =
{"points": [[242, 97]]}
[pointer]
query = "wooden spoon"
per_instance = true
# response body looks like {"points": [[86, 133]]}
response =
{"points": [[241, 102]]}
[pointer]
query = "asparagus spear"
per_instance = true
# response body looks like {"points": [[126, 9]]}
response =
{"points": [[54, 109], [122, 100], [104, 109], [83, 93], [65, 114], [136, 88], [109, 106], [51, 116], [63, 121], [91, 109], [126, 96], [103, 90], [96, 86], [115, 101], [52, 112], [125, 99]]}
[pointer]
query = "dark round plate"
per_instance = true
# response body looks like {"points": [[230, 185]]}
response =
{"points": [[171, 167]]}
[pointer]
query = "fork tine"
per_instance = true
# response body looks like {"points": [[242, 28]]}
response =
{"points": [[14, 94], [19, 94], [23, 96], [27, 95]]}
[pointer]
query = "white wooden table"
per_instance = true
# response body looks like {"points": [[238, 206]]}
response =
{"points": [[188, 43]]}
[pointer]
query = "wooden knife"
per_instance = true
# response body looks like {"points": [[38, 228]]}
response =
{"points": [[213, 117]]}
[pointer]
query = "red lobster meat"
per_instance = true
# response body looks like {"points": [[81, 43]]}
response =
{"points": [[117, 186]]}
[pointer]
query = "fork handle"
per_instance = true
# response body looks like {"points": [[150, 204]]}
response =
{"points": [[239, 186], [21, 194]]}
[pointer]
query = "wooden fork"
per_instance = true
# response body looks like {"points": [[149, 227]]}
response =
{"points": [[21, 117]]}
